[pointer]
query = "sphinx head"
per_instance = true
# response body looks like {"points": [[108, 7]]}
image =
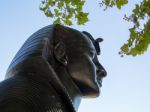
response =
{"points": [[77, 52], [68, 51]]}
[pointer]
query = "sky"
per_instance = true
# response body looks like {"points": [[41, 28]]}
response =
{"points": [[127, 85]]}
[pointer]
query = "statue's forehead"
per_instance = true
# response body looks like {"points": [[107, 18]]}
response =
{"points": [[74, 38], [82, 43], [89, 42]]}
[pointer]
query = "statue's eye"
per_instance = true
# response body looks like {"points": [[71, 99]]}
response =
{"points": [[92, 54]]}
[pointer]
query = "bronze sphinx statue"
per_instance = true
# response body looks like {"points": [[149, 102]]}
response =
{"points": [[52, 71]]}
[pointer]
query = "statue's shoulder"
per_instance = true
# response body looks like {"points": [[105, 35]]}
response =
{"points": [[28, 93], [10, 96]]}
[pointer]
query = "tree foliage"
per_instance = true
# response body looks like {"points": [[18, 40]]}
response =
{"points": [[139, 39], [65, 11]]}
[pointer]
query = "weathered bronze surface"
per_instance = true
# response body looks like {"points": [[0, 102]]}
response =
{"points": [[52, 71]]}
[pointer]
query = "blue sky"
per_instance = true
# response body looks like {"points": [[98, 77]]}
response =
{"points": [[127, 86]]}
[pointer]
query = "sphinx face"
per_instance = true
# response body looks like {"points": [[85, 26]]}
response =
{"points": [[85, 69]]}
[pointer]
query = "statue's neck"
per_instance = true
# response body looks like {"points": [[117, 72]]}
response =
{"points": [[71, 89]]}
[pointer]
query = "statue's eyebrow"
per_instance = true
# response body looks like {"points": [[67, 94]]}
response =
{"points": [[96, 45], [94, 41], [92, 50]]}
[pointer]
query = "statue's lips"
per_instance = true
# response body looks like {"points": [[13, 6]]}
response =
{"points": [[99, 81], [100, 75]]}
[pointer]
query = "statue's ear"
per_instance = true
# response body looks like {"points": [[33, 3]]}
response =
{"points": [[60, 53]]}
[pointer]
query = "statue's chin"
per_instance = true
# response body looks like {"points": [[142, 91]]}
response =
{"points": [[90, 92], [88, 88]]}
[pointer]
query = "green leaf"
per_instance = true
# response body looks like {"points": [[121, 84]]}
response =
{"points": [[133, 52], [57, 21], [82, 18], [50, 2], [120, 3], [60, 4], [48, 13], [107, 2], [67, 1], [68, 22], [125, 48], [136, 10], [56, 12], [133, 33], [147, 34]]}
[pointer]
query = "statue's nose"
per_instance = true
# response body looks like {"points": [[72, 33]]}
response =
{"points": [[101, 71]]}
